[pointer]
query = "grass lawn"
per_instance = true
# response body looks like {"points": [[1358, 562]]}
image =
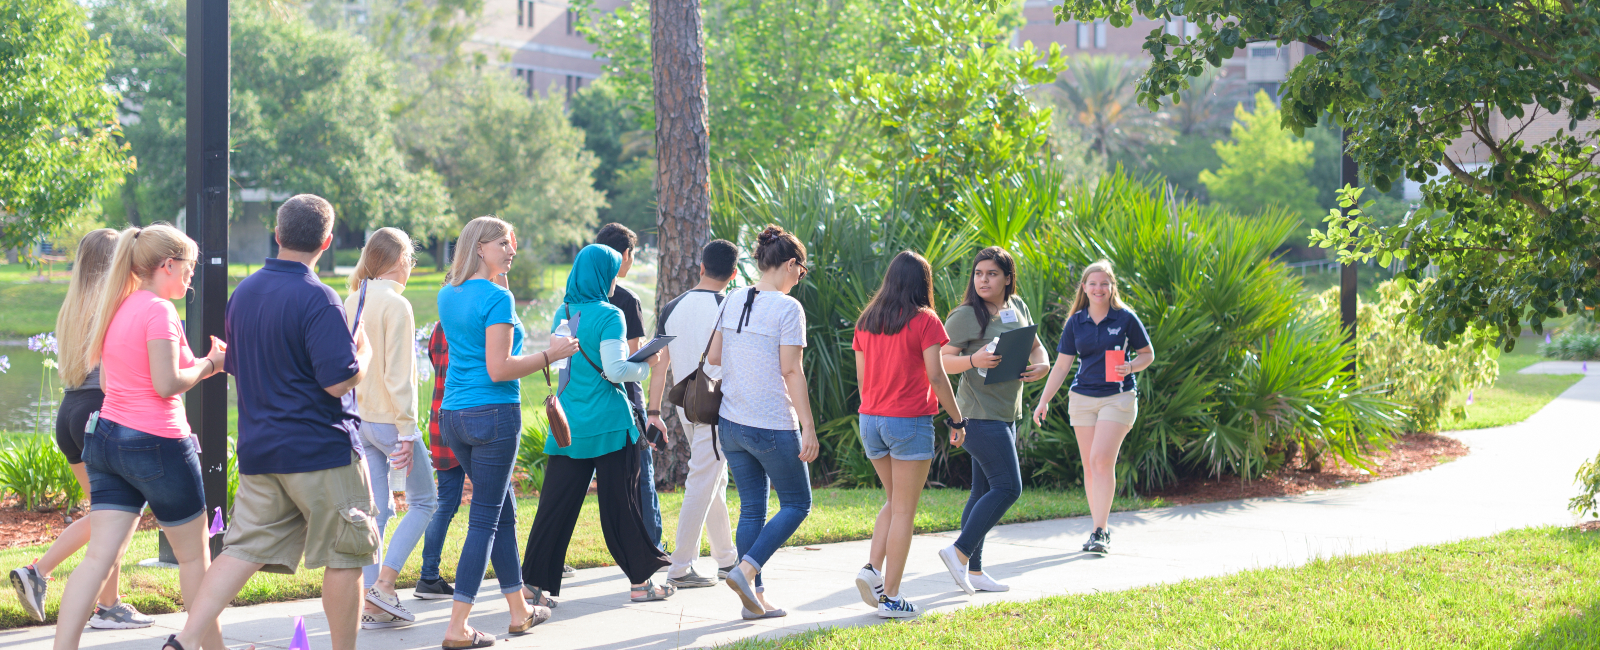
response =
{"points": [[836, 515], [1513, 397], [1533, 588]]}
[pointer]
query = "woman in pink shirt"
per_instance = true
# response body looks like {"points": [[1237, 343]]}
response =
{"points": [[137, 447]]}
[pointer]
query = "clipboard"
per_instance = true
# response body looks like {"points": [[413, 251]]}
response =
{"points": [[1014, 348], [650, 349]]}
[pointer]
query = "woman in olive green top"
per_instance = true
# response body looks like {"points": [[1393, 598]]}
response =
{"points": [[991, 308]]}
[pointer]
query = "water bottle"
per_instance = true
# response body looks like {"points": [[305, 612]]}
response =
{"points": [[397, 476], [563, 331], [990, 348]]}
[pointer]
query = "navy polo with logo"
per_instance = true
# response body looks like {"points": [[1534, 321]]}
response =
{"points": [[1088, 341]]}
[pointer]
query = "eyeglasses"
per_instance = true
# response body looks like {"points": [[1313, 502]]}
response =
{"points": [[803, 269]]}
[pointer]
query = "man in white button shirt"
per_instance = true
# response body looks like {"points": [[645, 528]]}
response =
{"points": [[691, 317]]}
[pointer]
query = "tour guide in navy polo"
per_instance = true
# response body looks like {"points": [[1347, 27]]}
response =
{"points": [[302, 490]]}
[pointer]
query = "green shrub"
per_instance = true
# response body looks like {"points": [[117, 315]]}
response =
{"points": [[1415, 374], [531, 458], [1587, 504], [1573, 346], [36, 472]]}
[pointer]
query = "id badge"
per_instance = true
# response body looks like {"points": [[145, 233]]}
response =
{"points": [[1008, 315]]}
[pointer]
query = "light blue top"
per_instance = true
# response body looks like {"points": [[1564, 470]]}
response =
{"points": [[465, 311], [597, 409]]}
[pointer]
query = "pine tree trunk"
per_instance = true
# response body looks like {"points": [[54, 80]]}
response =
{"points": [[683, 171]]}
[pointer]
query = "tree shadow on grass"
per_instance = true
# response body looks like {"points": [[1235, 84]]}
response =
{"points": [[1580, 629]]}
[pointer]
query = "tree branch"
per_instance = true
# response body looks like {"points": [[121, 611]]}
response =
{"points": [[1588, 78], [1473, 182]]}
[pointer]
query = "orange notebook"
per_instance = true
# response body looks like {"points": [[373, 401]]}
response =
{"points": [[1115, 358]]}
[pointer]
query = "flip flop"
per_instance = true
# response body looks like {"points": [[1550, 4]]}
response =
{"points": [[479, 640], [771, 613]]}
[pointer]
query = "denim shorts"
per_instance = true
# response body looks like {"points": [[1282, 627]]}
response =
{"points": [[898, 438], [129, 468]]}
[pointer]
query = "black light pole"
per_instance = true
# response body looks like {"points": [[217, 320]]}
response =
{"points": [[207, 217], [1347, 274]]}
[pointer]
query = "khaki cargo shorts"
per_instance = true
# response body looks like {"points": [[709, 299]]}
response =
{"points": [[1085, 411], [325, 516]]}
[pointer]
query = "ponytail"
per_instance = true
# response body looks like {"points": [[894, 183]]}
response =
{"points": [[139, 252]]}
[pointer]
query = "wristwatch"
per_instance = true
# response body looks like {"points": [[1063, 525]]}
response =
{"points": [[954, 424]]}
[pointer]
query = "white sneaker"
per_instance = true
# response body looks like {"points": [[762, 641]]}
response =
{"points": [[898, 608], [870, 583], [371, 620], [982, 582], [957, 568]]}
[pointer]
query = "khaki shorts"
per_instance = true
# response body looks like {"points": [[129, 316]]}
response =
{"points": [[1085, 411], [326, 516]]}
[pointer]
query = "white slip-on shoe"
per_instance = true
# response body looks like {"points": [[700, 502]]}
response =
{"points": [[982, 582], [958, 569]]}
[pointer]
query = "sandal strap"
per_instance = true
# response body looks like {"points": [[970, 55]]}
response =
{"points": [[172, 642]]}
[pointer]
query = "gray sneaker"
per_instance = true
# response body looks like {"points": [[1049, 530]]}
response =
{"points": [[119, 616], [31, 588], [691, 580], [568, 572]]}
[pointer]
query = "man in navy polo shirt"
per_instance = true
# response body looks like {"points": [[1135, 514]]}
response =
{"points": [[302, 491]]}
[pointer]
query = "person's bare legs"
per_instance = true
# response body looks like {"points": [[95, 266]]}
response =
{"points": [[191, 546], [76, 536], [223, 581], [891, 534], [341, 602], [110, 531], [1098, 446]]}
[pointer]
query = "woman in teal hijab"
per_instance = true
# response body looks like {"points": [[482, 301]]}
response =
{"points": [[604, 439]]}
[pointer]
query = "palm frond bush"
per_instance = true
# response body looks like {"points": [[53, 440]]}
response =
{"points": [[37, 473], [1244, 380]]}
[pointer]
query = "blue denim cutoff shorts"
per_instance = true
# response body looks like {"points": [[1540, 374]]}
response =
{"points": [[899, 438], [129, 468]]}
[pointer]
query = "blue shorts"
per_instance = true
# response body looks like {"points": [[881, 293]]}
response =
{"points": [[897, 438], [129, 468]]}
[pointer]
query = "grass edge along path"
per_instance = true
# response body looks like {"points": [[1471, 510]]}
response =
{"points": [[837, 515], [1513, 397], [1527, 588]]}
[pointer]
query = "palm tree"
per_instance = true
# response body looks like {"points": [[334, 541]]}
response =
{"points": [[1098, 98], [1205, 104]]}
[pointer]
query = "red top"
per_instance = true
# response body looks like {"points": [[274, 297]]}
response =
{"points": [[439, 356], [896, 380]]}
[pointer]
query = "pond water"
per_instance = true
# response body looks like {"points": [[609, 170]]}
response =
{"points": [[21, 409]]}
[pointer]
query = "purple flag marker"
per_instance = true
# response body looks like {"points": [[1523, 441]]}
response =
{"points": [[299, 642], [1586, 367], [1469, 398], [1547, 338], [216, 523]]}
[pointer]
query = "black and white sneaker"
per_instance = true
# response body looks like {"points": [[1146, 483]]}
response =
{"points": [[897, 608], [1099, 542], [691, 580], [722, 571], [390, 604], [870, 584], [435, 589], [371, 620], [568, 572], [31, 588]]}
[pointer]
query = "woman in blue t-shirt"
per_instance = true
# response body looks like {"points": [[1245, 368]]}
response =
{"points": [[1101, 410], [481, 417]]}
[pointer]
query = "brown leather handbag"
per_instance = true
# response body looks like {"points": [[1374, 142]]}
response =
{"points": [[555, 415]]}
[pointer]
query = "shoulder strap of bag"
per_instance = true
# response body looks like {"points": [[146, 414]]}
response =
{"points": [[715, 327]]}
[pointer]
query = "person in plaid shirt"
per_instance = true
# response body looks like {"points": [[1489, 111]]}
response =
{"points": [[449, 473]]}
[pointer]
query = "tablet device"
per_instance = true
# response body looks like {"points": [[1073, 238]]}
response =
{"points": [[361, 304], [650, 349], [1014, 348]]}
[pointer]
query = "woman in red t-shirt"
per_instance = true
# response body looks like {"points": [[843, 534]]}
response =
{"points": [[902, 384]]}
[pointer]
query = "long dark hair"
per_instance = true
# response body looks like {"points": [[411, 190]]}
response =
{"points": [[907, 290], [980, 307]]}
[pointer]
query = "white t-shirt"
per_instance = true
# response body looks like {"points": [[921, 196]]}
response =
{"points": [[691, 317], [753, 393]]}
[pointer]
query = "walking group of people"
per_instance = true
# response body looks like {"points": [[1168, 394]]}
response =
{"points": [[328, 423]]}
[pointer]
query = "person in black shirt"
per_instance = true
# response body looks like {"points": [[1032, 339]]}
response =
{"points": [[619, 238]]}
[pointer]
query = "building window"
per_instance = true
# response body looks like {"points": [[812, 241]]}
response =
{"points": [[1100, 34], [1083, 36], [1263, 52], [1175, 26], [1190, 30], [520, 5], [571, 21], [570, 84]]}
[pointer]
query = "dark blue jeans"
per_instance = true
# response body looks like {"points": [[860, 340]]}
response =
{"points": [[996, 483], [129, 468], [758, 457], [484, 438], [649, 502], [450, 483]]}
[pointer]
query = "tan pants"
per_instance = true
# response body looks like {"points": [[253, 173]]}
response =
{"points": [[1085, 411], [327, 516]]}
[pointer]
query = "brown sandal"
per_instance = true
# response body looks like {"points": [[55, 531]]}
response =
{"points": [[539, 615], [479, 640]]}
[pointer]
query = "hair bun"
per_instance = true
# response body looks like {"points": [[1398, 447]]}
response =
{"points": [[769, 235]]}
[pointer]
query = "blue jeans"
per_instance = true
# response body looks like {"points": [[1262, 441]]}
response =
{"points": [[758, 457], [996, 483], [450, 483], [422, 498], [484, 438], [649, 502], [129, 468]]}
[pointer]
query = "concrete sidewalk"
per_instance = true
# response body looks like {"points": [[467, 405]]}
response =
{"points": [[1516, 476]]}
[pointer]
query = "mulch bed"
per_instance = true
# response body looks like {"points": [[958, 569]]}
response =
{"points": [[1411, 453]]}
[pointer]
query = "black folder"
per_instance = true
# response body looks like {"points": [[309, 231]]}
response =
{"points": [[1014, 348]]}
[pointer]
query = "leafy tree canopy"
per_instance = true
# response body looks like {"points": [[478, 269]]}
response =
{"points": [[1263, 165], [58, 123], [1514, 238]]}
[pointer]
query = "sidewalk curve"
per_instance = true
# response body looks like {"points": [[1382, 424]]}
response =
{"points": [[1516, 476]]}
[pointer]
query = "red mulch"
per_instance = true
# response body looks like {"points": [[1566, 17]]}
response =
{"points": [[1411, 453], [1589, 526]]}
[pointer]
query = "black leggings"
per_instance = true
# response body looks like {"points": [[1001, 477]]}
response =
{"points": [[72, 417], [566, 482]]}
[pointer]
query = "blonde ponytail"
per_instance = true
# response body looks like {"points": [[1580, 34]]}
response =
{"points": [[384, 249], [74, 323], [139, 252]]}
